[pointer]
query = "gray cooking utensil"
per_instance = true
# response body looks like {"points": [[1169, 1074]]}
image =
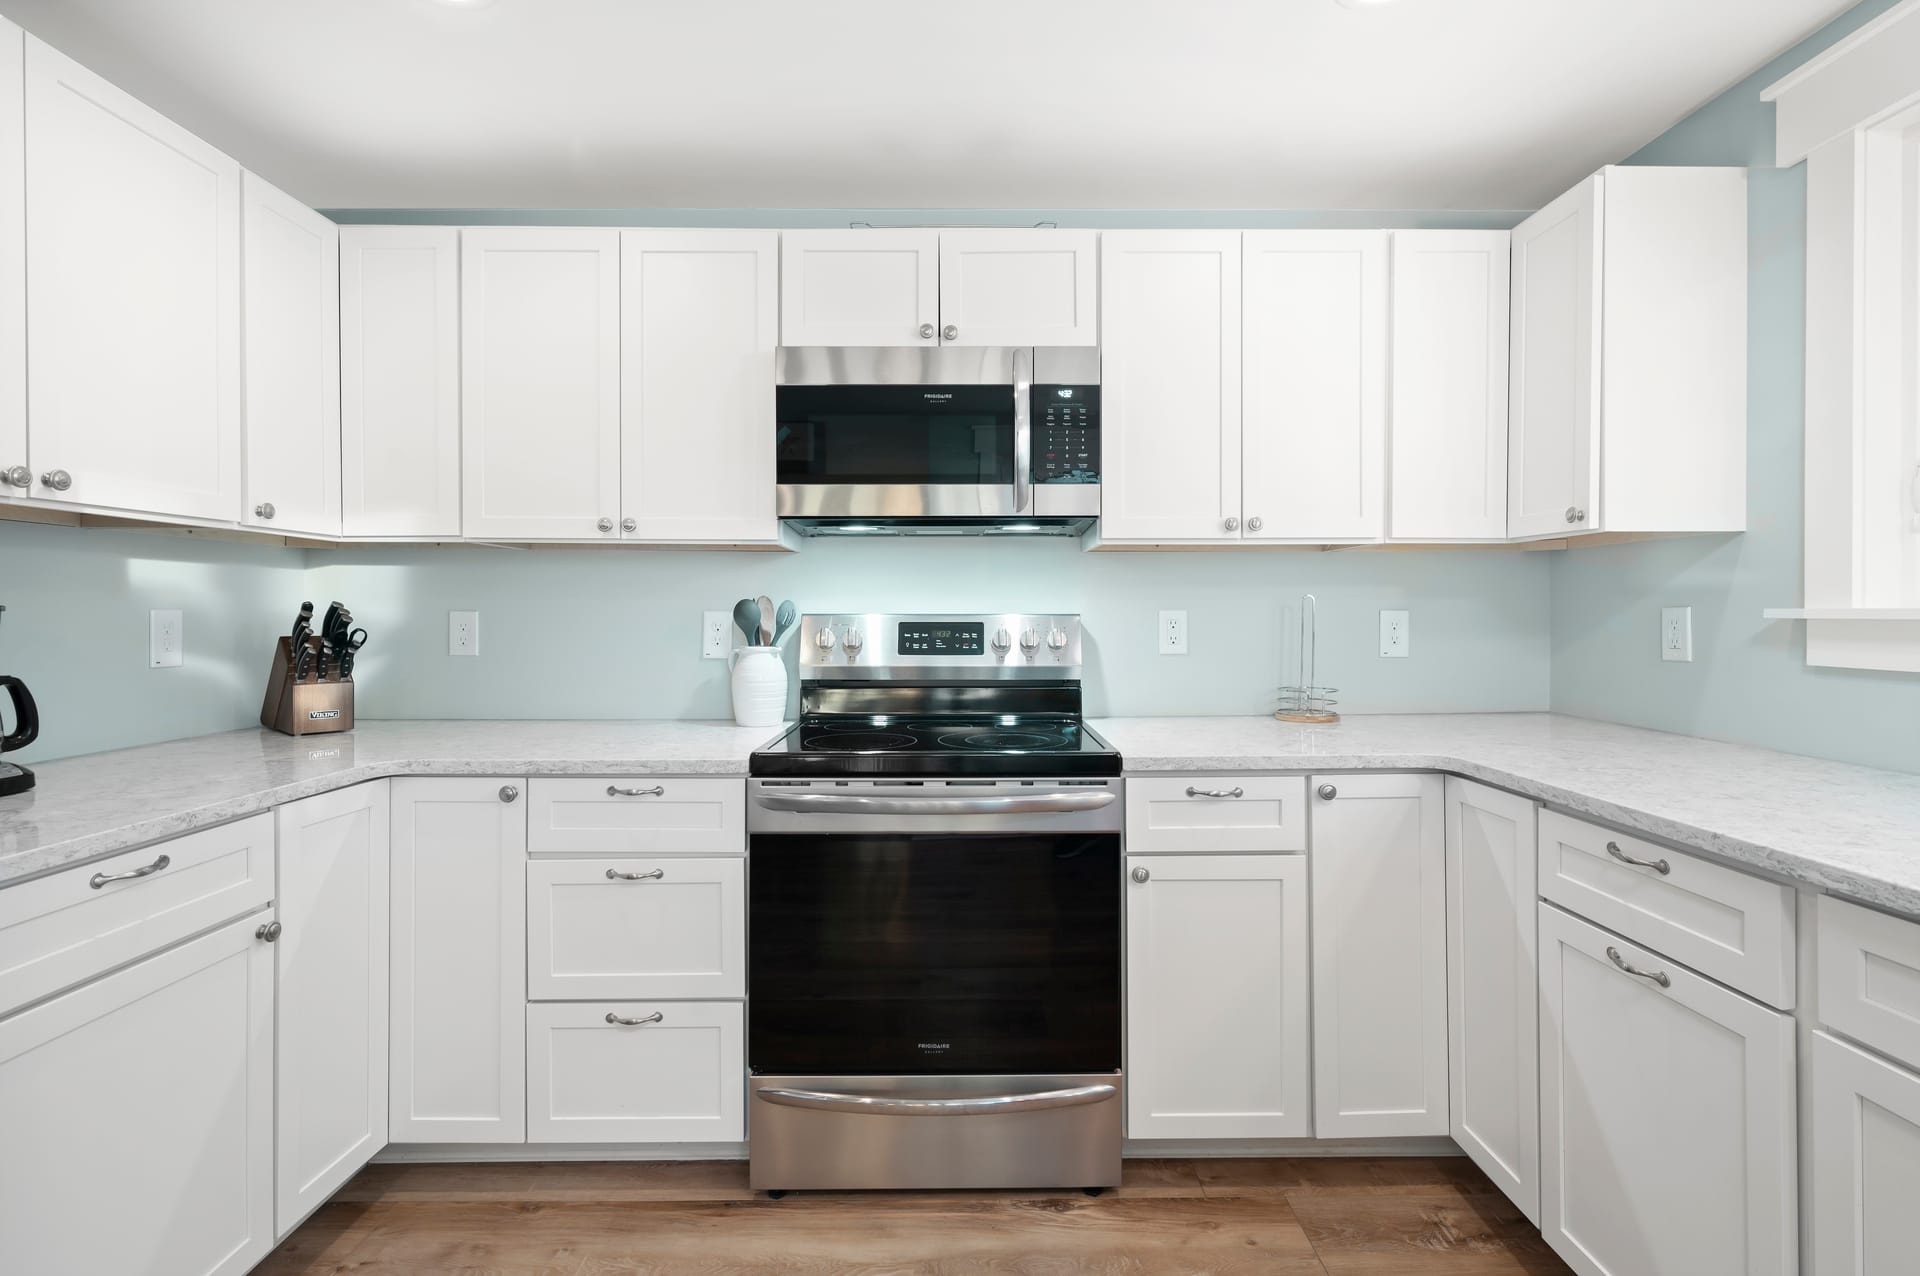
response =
{"points": [[783, 621], [746, 614], [766, 621]]}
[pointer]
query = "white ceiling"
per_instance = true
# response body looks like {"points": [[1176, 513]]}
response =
{"points": [[1435, 104]]}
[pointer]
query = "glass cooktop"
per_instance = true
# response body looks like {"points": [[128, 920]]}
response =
{"points": [[953, 744]]}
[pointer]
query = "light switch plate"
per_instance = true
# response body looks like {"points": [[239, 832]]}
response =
{"points": [[166, 640], [1676, 633], [1396, 633], [463, 633]]}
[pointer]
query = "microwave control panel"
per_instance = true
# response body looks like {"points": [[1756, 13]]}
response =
{"points": [[1066, 434]]}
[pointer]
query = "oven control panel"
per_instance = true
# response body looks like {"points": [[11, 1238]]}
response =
{"points": [[1066, 434], [879, 645]]}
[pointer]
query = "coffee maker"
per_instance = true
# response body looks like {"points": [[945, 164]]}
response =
{"points": [[26, 728]]}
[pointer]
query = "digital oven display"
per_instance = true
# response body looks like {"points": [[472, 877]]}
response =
{"points": [[955, 639]]}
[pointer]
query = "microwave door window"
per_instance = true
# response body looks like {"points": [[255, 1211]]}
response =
{"points": [[885, 443]]}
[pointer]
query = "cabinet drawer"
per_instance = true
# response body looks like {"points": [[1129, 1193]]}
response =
{"points": [[1217, 813], [1869, 972], [633, 928], [60, 930], [1726, 924], [644, 815], [677, 1075]]}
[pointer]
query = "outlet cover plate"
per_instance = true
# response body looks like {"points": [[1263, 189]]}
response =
{"points": [[166, 639], [1173, 633], [1396, 633], [463, 633], [715, 631], [1676, 633]]}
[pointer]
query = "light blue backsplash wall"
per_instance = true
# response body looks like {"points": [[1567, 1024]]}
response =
{"points": [[1749, 680]]}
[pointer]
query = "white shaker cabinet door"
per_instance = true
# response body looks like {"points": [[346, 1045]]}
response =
{"points": [[1017, 287], [861, 287], [400, 381], [1493, 1072], [1314, 417], [699, 323], [291, 268], [331, 1035], [1379, 956], [1666, 1114], [133, 298], [1448, 387], [1553, 437], [459, 945], [16, 479], [1217, 997], [1865, 1162], [1170, 386], [540, 378], [138, 1117]]}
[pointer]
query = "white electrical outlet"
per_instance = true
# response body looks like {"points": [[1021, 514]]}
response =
{"points": [[1396, 633], [1173, 633], [463, 633], [166, 640], [714, 627], [1676, 633]]}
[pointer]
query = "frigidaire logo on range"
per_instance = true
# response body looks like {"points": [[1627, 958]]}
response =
{"points": [[936, 396], [935, 1046]]}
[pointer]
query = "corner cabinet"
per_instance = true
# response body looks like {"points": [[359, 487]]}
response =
{"points": [[133, 266], [459, 951], [540, 380]]}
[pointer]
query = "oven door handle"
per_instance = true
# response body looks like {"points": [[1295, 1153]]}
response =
{"points": [[854, 804], [982, 1105]]}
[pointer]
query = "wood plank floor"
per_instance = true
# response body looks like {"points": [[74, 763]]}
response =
{"points": [[1295, 1217]]}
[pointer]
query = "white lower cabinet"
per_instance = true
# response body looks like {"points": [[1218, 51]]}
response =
{"points": [[631, 928], [1493, 1061], [459, 916], [144, 1102], [1865, 1162], [330, 1058], [1217, 997], [1667, 1114], [635, 1072], [1379, 956]]}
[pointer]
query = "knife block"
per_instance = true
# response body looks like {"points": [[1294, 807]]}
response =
{"points": [[305, 706]]}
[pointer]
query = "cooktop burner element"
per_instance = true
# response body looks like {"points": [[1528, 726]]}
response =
{"points": [[836, 740]]}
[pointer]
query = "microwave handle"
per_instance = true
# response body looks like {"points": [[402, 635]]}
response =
{"points": [[1022, 430]]}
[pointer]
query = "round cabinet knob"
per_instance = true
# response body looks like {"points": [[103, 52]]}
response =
{"points": [[58, 480], [1140, 875], [853, 641], [1029, 639], [263, 510], [508, 793], [1232, 524], [1579, 516], [605, 525], [1571, 513], [926, 332], [1253, 524], [1327, 792], [824, 640], [628, 525], [950, 333], [269, 932], [1002, 641], [18, 476], [1057, 640]]}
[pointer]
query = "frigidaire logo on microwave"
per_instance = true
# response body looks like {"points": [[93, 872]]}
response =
{"points": [[934, 1047]]}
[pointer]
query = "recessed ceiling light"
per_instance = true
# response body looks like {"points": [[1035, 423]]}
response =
{"points": [[465, 4], [1363, 4]]}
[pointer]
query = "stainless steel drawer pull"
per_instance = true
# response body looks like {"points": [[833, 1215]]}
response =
{"points": [[655, 1017], [615, 875], [658, 790], [1657, 976], [101, 879], [1234, 792], [984, 1105], [1659, 866]]}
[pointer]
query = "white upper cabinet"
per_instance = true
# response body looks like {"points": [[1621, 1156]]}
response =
{"points": [[400, 381], [540, 375], [1032, 287], [1379, 956], [1170, 386], [870, 287], [1313, 431], [291, 269], [1629, 339], [699, 318], [16, 480], [1448, 387], [133, 298]]}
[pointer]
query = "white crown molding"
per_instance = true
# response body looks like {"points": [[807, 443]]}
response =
{"points": [[1869, 75]]}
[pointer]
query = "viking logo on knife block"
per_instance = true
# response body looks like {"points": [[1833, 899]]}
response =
{"points": [[310, 687]]}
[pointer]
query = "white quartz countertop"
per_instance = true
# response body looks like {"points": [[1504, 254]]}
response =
{"points": [[1852, 830]]}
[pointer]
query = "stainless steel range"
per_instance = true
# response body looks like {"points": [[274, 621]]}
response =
{"points": [[934, 914]]}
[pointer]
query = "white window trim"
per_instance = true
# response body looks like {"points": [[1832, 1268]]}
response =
{"points": [[1851, 114]]}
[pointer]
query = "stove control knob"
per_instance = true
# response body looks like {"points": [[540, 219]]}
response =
{"points": [[1002, 641], [1029, 640], [824, 640], [853, 642], [1057, 640]]}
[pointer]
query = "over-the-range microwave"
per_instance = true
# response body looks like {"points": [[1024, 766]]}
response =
{"points": [[949, 440]]}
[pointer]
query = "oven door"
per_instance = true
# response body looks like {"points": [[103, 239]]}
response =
{"points": [[934, 953]]}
